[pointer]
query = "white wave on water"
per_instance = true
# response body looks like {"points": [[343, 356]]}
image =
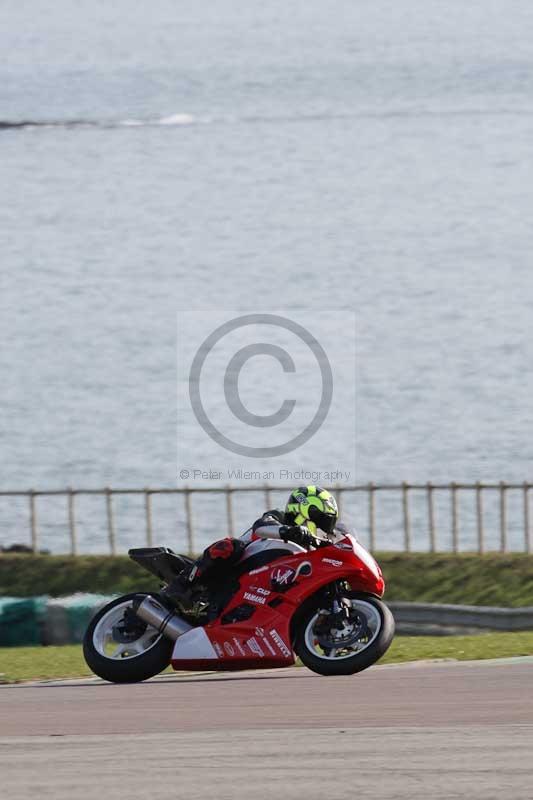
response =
{"points": [[177, 119], [173, 119]]}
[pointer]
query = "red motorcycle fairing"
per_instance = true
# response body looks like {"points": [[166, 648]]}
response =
{"points": [[253, 631]]}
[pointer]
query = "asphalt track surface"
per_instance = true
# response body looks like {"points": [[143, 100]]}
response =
{"points": [[445, 730]]}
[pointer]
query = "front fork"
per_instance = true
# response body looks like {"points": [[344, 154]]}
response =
{"points": [[339, 605]]}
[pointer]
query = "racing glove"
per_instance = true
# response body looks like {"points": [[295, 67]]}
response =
{"points": [[297, 534]]}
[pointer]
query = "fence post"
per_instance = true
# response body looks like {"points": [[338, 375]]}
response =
{"points": [[188, 514], [479, 519], [110, 521], [338, 493], [406, 520], [229, 510], [267, 497], [148, 515], [455, 526], [527, 535], [503, 517], [431, 517], [33, 521], [371, 516], [72, 523]]}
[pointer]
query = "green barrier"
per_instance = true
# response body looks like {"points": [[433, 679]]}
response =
{"points": [[44, 620], [79, 611], [21, 620]]}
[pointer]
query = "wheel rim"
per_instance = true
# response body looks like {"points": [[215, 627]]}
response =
{"points": [[106, 643], [346, 643]]}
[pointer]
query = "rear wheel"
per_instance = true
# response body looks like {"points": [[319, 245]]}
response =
{"points": [[121, 648], [347, 639]]}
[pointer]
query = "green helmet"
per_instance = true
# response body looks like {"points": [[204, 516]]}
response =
{"points": [[313, 507]]}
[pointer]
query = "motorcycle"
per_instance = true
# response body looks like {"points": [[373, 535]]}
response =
{"points": [[323, 605]]}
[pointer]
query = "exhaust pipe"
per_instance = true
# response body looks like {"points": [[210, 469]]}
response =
{"points": [[167, 622]]}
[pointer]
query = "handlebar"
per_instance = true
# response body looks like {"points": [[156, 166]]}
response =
{"points": [[322, 542]]}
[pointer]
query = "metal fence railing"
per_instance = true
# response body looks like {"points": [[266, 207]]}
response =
{"points": [[437, 511]]}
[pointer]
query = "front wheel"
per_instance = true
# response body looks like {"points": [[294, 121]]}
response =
{"points": [[347, 639], [121, 648]]}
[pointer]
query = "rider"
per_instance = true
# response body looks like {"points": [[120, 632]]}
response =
{"points": [[309, 508]]}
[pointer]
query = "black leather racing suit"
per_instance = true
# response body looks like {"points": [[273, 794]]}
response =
{"points": [[224, 553]]}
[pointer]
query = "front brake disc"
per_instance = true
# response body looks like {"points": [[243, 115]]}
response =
{"points": [[328, 641]]}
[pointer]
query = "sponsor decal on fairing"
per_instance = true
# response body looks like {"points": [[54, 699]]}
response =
{"points": [[268, 646], [229, 649], [282, 577], [333, 562], [255, 647], [255, 598], [282, 647], [239, 646]]}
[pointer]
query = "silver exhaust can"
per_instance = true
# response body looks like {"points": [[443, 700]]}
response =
{"points": [[166, 622]]}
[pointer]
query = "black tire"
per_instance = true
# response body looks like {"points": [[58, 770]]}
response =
{"points": [[128, 670], [351, 664]]}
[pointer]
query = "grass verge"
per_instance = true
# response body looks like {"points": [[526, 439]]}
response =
{"points": [[493, 579], [41, 663], [461, 648], [35, 663]]}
